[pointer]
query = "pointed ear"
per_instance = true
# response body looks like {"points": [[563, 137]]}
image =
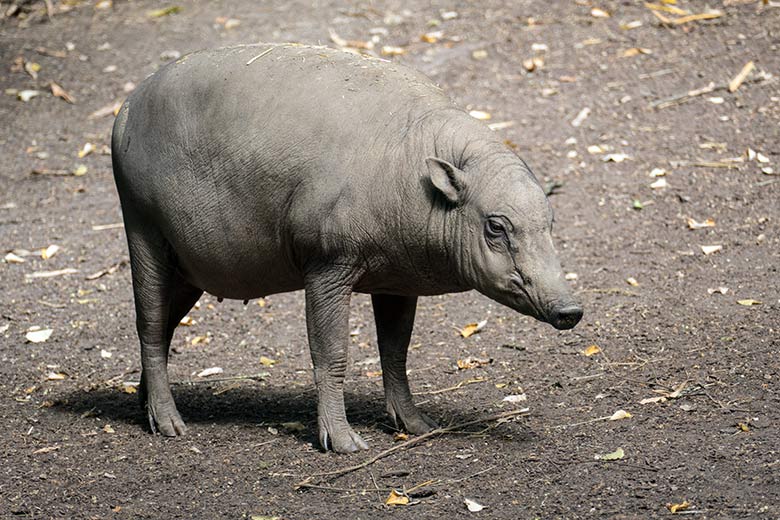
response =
{"points": [[447, 179]]}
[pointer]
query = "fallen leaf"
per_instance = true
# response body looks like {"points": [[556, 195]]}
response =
{"points": [[396, 499], [591, 350], [210, 372], [615, 455], [108, 110], [532, 64], [432, 37], [673, 508], [635, 51], [744, 427], [761, 158], [768, 170], [657, 172], [581, 116], [86, 150], [266, 361], [108, 429], [479, 114], [597, 12], [400, 436], [615, 157], [4, 328], [694, 224], [26, 95], [197, 340], [472, 328], [596, 149], [165, 11], [49, 251], [667, 9], [38, 335], [107, 271], [479, 54], [473, 506], [748, 302], [516, 398], [129, 388], [58, 91], [632, 281], [737, 81], [648, 400], [571, 276], [620, 414], [660, 183], [32, 68], [708, 250], [187, 321], [389, 50], [718, 290], [55, 376], [631, 25], [637, 204], [105, 354], [716, 100], [470, 362], [12, 258]]}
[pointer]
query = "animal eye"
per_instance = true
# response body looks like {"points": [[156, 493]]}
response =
{"points": [[494, 228]]}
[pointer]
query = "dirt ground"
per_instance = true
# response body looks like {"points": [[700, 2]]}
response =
{"points": [[74, 443]]}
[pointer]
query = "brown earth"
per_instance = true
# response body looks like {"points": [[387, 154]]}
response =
{"points": [[79, 448]]}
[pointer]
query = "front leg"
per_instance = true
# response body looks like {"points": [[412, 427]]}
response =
{"points": [[327, 320], [394, 316]]}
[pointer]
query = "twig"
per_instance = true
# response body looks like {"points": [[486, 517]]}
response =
{"points": [[49, 9], [687, 96], [260, 55], [451, 388], [456, 480], [261, 375], [409, 443]]}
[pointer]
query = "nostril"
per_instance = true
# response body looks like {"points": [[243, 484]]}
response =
{"points": [[566, 317]]}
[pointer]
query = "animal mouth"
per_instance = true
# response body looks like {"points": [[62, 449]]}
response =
{"points": [[528, 303]]}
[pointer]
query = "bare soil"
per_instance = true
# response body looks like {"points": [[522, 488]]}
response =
{"points": [[78, 447]]}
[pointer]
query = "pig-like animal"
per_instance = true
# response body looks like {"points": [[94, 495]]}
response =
{"points": [[260, 169]]}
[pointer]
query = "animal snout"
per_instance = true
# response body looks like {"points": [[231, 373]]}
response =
{"points": [[566, 316]]}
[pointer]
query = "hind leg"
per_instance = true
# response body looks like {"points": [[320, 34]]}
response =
{"points": [[160, 296]]}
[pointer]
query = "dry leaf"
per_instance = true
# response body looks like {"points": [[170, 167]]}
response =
{"points": [[473, 506], [620, 414], [667, 9], [719, 290], [615, 157], [396, 499], [696, 17], [55, 376], [708, 250], [648, 400], [165, 11], [26, 95], [389, 50], [744, 427], [532, 64], [129, 388], [32, 68], [266, 361], [516, 398], [107, 110], [632, 281], [210, 372], [432, 37], [197, 340], [86, 150], [49, 251], [599, 13], [472, 328], [581, 116], [187, 321], [108, 429], [58, 91], [12, 258], [470, 362], [596, 149], [571, 276], [737, 81], [591, 350], [694, 224], [631, 25], [38, 335], [400, 436], [660, 183], [80, 170], [105, 354], [635, 51], [479, 114], [615, 455], [673, 508], [748, 302], [761, 158]]}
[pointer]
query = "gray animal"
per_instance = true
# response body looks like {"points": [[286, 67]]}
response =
{"points": [[260, 169]]}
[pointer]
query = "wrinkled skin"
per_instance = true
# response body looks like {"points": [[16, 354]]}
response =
{"points": [[261, 169]]}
